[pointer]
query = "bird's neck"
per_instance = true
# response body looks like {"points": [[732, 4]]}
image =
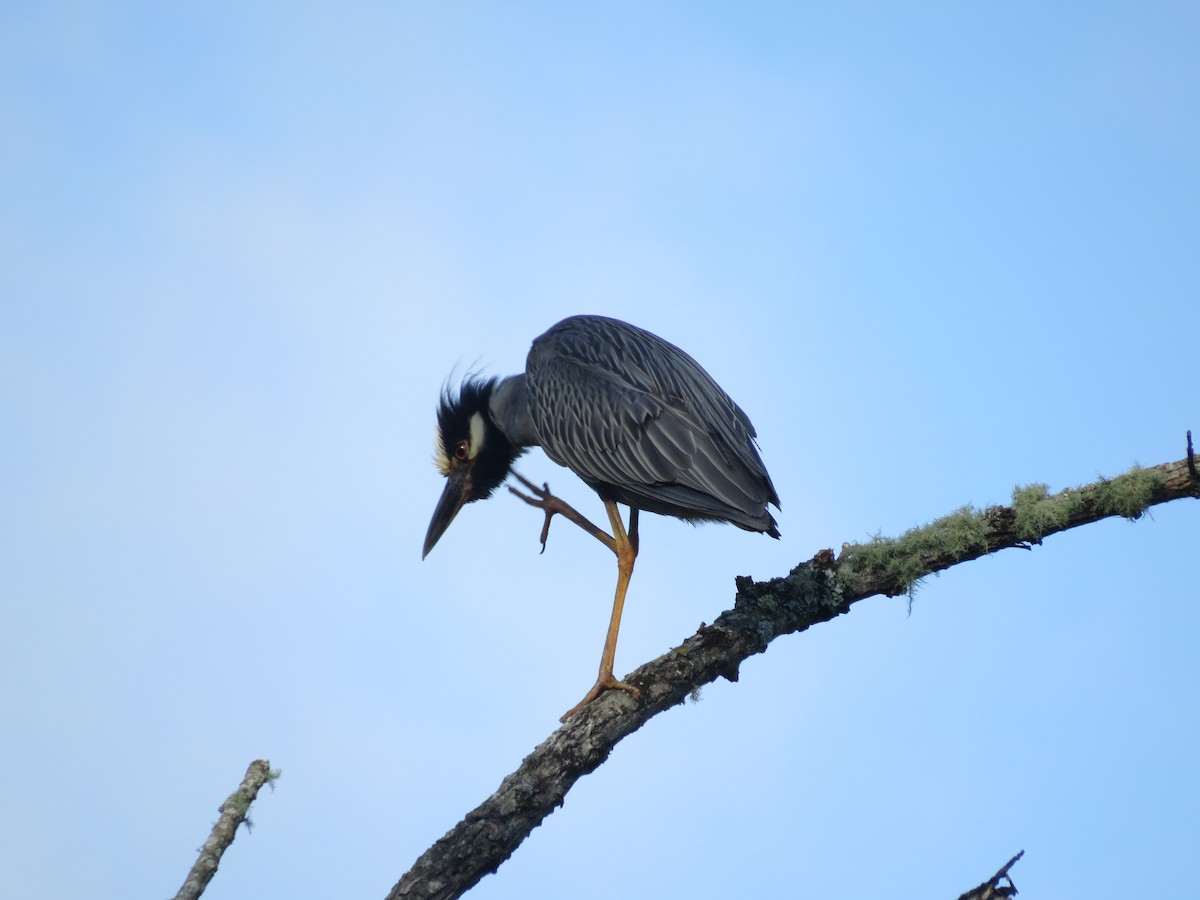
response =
{"points": [[509, 411]]}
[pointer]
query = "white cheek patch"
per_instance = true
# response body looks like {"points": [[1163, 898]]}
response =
{"points": [[477, 433], [440, 459]]}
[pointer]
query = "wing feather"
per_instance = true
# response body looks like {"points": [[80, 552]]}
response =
{"points": [[643, 423]]}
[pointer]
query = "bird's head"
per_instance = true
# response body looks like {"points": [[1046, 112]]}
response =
{"points": [[470, 450]]}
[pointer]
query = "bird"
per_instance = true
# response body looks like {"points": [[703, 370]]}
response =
{"points": [[634, 416]]}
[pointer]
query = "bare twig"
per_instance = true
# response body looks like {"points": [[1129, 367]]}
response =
{"points": [[233, 813], [992, 889]]}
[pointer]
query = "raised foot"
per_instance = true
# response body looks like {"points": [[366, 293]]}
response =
{"points": [[551, 505], [603, 683]]}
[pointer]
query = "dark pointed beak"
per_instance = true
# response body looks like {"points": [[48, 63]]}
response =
{"points": [[458, 488]]}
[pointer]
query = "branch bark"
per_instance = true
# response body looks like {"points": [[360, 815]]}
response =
{"points": [[816, 591], [233, 813]]}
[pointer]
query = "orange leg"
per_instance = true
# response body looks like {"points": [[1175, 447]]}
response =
{"points": [[626, 549]]}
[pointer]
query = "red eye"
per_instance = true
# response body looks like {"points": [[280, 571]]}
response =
{"points": [[461, 451]]}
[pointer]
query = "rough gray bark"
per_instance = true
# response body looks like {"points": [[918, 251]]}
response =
{"points": [[233, 813], [816, 591]]}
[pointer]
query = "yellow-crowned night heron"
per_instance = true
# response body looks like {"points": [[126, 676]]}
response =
{"points": [[633, 416]]}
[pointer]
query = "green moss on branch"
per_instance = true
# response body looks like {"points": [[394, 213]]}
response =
{"points": [[900, 563], [903, 561]]}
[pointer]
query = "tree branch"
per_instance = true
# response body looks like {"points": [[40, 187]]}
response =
{"points": [[233, 813], [816, 591]]}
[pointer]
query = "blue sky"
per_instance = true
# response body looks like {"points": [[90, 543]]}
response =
{"points": [[934, 250]]}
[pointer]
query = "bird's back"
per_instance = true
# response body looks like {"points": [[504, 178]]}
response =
{"points": [[641, 422]]}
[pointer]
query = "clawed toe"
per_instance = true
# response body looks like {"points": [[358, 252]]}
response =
{"points": [[603, 683]]}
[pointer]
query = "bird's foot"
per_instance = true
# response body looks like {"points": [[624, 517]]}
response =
{"points": [[550, 505], [603, 683], [542, 499]]}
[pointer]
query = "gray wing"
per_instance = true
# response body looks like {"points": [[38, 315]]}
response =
{"points": [[644, 424]]}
